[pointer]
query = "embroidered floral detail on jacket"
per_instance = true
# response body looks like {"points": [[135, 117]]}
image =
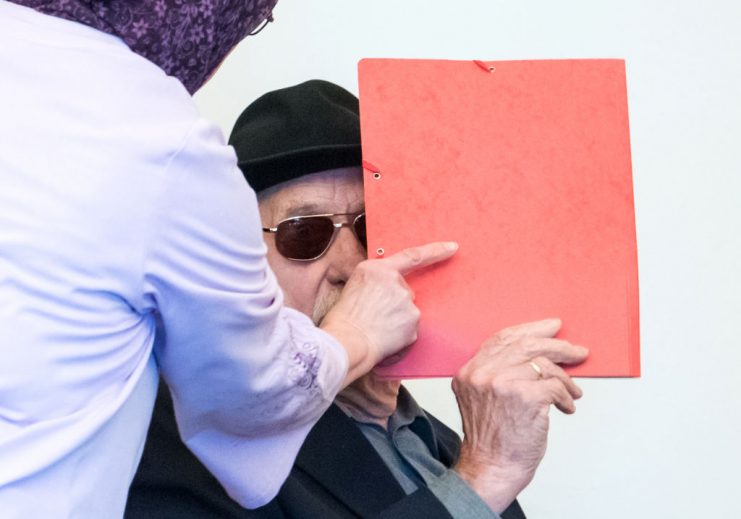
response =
{"points": [[306, 366]]}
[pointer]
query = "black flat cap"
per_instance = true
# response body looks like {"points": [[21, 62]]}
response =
{"points": [[295, 131]]}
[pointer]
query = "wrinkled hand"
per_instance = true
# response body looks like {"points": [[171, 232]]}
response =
{"points": [[376, 316], [504, 402]]}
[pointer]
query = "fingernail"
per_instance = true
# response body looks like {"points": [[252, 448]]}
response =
{"points": [[451, 245]]}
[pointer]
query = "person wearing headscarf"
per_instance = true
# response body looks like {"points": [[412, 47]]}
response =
{"points": [[130, 244]]}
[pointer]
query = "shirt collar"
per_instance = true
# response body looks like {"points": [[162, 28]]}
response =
{"points": [[407, 411]]}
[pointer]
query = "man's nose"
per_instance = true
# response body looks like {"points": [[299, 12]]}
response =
{"points": [[344, 255]]}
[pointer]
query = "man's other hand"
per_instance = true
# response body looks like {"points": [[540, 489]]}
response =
{"points": [[504, 394]]}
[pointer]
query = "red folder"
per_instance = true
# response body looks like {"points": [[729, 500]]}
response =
{"points": [[526, 164]]}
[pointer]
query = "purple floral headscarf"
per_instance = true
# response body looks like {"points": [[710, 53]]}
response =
{"points": [[188, 39]]}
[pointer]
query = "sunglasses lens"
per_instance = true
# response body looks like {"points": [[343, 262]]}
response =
{"points": [[360, 230], [304, 238]]}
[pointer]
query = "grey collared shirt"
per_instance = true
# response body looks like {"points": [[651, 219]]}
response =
{"points": [[412, 462]]}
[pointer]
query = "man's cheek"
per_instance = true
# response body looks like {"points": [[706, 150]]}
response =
{"points": [[300, 296]]}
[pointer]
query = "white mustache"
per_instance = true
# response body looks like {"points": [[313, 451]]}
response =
{"points": [[324, 304]]}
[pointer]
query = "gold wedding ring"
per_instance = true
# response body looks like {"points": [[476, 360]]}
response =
{"points": [[537, 369]]}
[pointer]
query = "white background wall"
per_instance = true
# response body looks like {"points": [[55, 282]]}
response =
{"points": [[665, 445]]}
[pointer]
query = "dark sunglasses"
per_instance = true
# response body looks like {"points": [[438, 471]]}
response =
{"points": [[306, 238]]}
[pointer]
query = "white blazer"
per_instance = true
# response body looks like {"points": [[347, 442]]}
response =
{"points": [[123, 212]]}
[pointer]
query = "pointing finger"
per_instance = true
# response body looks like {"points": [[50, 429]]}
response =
{"points": [[414, 258]]}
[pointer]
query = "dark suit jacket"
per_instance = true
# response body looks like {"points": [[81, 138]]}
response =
{"points": [[337, 474]]}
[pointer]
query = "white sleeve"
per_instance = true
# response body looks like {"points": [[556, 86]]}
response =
{"points": [[249, 377]]}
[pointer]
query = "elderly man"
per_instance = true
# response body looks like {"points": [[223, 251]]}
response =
{"points": [[375, 452]]}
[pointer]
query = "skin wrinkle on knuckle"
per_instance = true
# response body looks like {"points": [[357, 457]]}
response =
{"points": [[362, 275], [414, 256], [501, 338], [486, 346], [463, 377], [496, 348], [476, 379]]}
